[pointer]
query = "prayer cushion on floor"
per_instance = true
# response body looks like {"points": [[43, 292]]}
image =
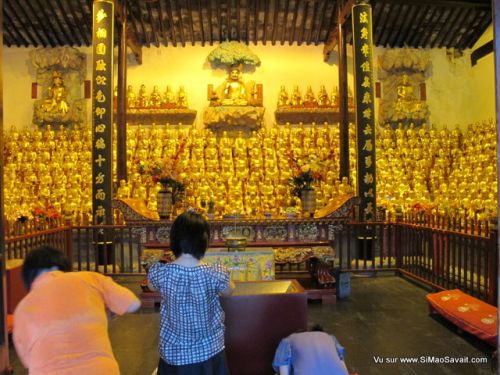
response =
{"points": [[467, 313]]}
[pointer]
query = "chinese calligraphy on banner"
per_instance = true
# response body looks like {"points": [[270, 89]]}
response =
{"points": [[102, 111], [365, 121]]}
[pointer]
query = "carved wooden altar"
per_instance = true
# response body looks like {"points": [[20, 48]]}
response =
{"points": [[259, 232]]}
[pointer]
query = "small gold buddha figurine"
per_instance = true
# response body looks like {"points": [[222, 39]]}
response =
{"points": [[169, 97], [296, 99], [182, 100], [142, 98], [56, 101], [323, 99], [123, 191], [234, 91], [131, 97], [155, 98], [282, 97], [310, 99]]}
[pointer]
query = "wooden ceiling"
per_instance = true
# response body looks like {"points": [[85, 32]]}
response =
{"points": [[397, 23]]}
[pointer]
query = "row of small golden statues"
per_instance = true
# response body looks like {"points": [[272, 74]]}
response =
{"points": [[310, 100], [446, 171], [154, 99]]}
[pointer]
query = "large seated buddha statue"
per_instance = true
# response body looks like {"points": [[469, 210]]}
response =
{"points": [[237, 103]]}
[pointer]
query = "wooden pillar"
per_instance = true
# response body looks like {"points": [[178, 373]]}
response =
{"points": [[4, 343], [343, 96], [496, 49], [365, 109], [121, 110], [102, 110]]}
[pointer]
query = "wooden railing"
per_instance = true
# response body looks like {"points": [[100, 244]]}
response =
{"points": [[441, 258]]}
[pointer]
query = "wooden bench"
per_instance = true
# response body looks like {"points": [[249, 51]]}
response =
{"points": [[467, 313]]}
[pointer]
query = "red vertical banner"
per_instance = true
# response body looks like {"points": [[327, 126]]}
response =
{"points": [[102, 110], [365, 109]]}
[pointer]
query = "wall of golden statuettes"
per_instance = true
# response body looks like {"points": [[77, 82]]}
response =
{"points": [[445, 171]]}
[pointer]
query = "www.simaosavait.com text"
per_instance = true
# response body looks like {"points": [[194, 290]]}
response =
{"points": [[430, 359]]}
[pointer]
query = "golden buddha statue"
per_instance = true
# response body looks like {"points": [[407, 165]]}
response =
{"points": [[234, 91], [142, 98], [56, 102], [123, 191], [182, 100], [155, 98], [323, 99], [131, 97], [309, 98], [282, 97], [169, 97], [296, 99]]}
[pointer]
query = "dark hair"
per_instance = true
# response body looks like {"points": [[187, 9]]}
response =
{"points": [[317, 327], [189, 234], [42, 258]]}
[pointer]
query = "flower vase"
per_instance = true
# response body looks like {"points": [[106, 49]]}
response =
{"points": [[164, 202], [308, 200]]}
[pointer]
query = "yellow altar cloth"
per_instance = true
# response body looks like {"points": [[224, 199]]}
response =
{"points": [[244, 265]]}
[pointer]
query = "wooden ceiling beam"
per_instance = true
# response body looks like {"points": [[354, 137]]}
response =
{"points": [[342, 15], [163, 29], [69, 23], [19, 38], [210, 26], [433, 26], [132, 41], [152, 22], [313, 22], [189, 10], [255, 21], [27, 25], [483, 25], [446, 29], [417, 38], [172, 23], [321, 15], [302, 29], [267, 11], [238, 19], [200, 17], [388, 31], [285, 22], [404, 29], [417, 22], [275, 21], [382, 25], [41, 21], [459, 37], [219, 19], [80, 18], [51, 14], [181, 24], [293, 27], [247, 21], [455, 28]]}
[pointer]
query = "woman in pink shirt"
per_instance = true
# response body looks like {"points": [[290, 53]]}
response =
{"points": [[61, 326]]}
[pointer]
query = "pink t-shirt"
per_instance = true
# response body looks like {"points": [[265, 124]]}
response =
{"points": [[60, 327]]}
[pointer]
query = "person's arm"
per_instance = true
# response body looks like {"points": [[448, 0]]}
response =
{"points": [[21, 339], [283, 358], [229, 290], [284, 370], [118, 299]]}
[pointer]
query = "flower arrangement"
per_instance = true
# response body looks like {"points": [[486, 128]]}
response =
{"points": [[48, 212], [305, 172], [232, 53], [165, 171]]}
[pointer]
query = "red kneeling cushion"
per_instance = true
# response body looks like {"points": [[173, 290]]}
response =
{"points": [[467, 312]]}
